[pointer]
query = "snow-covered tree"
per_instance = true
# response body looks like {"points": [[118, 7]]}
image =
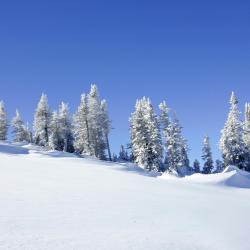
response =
{"points": [[177, 149], [207, 156], [20, 131], [106, 125], [81, 127], [42, 122], [246, 135], [97, 138], [114, 158], [3, 122], [55, 140], [165, 123], [65, 128], [145, 136], [219, 166], [196, 166], [29, 133], [232, 145], [123, 154]]}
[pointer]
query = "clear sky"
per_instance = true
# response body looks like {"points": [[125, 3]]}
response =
{"points": [[190, 53]]}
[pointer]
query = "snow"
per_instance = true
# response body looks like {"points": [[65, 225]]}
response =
{"points": [[55, 200]]}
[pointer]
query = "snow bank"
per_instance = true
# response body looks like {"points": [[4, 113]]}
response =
{"points": [[231, 176]]}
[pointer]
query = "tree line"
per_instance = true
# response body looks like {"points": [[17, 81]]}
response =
{"points": [[157, 142]]}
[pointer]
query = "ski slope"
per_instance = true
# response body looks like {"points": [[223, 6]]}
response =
{"points": [[53, 200]]}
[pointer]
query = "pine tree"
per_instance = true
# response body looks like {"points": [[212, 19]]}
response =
{"points": [[97, 138], [29, 136], [196, 166], [232, 145], [42, 122], [106, 124], [177, 149], [207, 156], [3, 122], [145, 136], [55, 140], [81, 127], [65, 128], [123, 154], [165, 123], [114, 158], [246, 135], [219, 166], [19, 130]]}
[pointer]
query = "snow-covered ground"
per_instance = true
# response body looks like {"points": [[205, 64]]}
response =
{"points": [[58, 201]]}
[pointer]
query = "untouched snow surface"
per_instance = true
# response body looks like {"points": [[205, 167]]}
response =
{"points": [[58, 201]]}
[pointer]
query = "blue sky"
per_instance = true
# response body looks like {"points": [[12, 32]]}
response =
{"points": [[190, 53]]}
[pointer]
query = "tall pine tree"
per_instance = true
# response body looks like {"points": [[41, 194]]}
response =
{"points": [[106, 125], [81, 127], [246, 135], [96, 135], [232, 146], [145, 136], [65, 128], [42, 122], [177, 149]]}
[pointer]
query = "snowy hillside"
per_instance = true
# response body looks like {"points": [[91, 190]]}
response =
{"points": [[58, 201]]}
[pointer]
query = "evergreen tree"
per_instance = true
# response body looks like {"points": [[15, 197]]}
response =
{"points": [[28, 133], [196, 166], [19, 130], [55, 140], [145, 136], [81, 127], [219, 166], [165, 125], [3, 122], [246, 135], [114, 158], [42, 122], [177, 149], [123, 154], [106, 124], [232, 145], [97, 138], [207, 156], [65, 128]]}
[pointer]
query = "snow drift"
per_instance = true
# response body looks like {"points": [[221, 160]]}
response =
{"points": [[57, 201]]}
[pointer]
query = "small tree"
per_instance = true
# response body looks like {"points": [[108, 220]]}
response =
{"points": [[114, 158], [19, 130], [207, 156], [3, 122], [219, 166], [196, 166], [123, 154]]}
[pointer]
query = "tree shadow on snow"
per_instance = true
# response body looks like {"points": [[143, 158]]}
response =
{"points": [[13, 150]]}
